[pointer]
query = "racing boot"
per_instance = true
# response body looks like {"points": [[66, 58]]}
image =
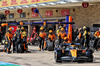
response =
{"points": [[39, 49], [8, 51]]}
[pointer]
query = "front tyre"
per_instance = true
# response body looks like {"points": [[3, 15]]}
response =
{"points": [[57, 56]]}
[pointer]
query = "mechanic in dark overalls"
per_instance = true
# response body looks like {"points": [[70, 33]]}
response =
{"points": [[18, 39], [41, 38]]}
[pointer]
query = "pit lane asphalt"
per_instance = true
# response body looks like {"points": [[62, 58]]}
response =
{"points": [[42, 58]]}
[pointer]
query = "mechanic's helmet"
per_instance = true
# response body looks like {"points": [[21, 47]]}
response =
{"points": [[60, 27], [84, 28], [50, 31], [41, 28], [22, 28], [10, 29]]}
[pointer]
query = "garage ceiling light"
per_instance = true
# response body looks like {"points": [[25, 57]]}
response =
{"points": [[11, 7], [25, 6], [33, 5], [61, 2], [17, 7], [73, 1], [51, 3], [5, 8], [42, 4]]}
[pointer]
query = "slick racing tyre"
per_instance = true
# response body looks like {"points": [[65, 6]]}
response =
{"points": [[50, 46], [57, 56]]}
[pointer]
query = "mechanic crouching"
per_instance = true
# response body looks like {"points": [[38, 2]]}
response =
{"points": [[8, 37], [97, 37], [51, 37], [41, 38]]}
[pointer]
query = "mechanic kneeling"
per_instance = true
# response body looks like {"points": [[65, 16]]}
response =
{"points": [[51, 37], [96, 35]]}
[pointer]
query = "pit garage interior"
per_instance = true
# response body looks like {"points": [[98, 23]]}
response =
{"points": [[81, 16]]}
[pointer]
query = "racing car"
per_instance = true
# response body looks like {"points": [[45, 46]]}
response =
{"points": [[72, 52]]}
